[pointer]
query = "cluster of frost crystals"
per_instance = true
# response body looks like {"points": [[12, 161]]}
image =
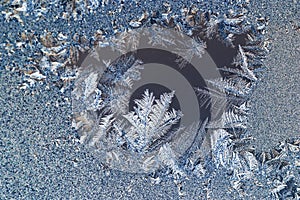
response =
{"points": [[143, 140], [139, 140], [134, 136]]}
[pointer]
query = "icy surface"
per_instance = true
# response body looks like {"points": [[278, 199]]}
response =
{"points": [[41, 155]]}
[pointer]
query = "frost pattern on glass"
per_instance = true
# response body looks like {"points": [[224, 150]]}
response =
{"points": [[144, 140], [49, 55], [137, 130]]}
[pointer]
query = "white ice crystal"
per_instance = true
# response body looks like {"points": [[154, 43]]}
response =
{"points": [[150, 120]]}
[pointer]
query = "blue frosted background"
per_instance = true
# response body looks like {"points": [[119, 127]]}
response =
{"points": [[39, 156]]}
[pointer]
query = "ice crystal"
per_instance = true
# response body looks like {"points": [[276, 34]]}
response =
{"points": [[117, 91], [189, 49], [126, 41], [159, 36], [149, 121]]}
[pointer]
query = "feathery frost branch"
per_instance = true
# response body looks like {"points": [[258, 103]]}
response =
{"points": [[150, 120]]}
